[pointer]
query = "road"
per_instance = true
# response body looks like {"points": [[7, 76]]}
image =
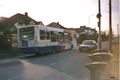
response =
{"points": [[65, 65]]}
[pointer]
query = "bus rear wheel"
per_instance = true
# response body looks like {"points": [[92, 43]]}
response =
{"points": [[53, 50], [71, 46]]}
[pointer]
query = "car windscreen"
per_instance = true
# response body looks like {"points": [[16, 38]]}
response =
{"points": [[88, 43]]}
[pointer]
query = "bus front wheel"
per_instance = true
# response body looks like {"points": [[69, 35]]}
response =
{"points": [[53, 50]]}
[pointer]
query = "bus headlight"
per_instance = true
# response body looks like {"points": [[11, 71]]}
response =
{"points": [[36, 40]]}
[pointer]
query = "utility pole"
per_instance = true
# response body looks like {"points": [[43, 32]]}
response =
{"points": [[118, 30], [110, 27], [89, 28], [99, 25]]}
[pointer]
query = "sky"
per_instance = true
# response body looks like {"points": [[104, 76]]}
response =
{"points": [[69, 13]]}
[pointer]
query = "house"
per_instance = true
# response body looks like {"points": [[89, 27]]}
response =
{"points": [[22, 19], [56, 25], [84, 30], [3, 23]]}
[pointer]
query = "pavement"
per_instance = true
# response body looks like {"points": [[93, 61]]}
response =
{"points": [[9, 57], [112, 72]]}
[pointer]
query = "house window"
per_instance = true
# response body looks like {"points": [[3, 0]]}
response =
{"points": [[85, 30]]}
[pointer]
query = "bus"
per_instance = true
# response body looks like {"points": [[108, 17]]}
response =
{"points": [[41, 39]]}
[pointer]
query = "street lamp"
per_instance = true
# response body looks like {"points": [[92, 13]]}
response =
{"points": [[99, 25], [89, 19], [89, 24]]}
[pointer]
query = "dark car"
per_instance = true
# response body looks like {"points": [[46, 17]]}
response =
{"points": [[88, 45]]}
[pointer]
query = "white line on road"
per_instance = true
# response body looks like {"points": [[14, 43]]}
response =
{"points": [[13, 78], [52, 64], [24, 59], [86, 75]]}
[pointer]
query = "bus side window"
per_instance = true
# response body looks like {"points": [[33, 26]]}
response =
{"points": [[65, 36], [53, 37], [57, 35], [69, 37], [42, 34], [47, 35], [61, 36]]}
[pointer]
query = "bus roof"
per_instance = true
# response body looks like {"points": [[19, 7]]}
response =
{"points": [[49, 28]]}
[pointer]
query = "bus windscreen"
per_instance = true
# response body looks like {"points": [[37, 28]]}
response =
{"points": [[27, 33]]}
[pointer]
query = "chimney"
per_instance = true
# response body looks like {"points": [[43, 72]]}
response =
{"points": [[57, 22], [26, 14]]}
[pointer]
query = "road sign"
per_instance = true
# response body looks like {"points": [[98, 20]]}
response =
{"points": [[98, 15]]}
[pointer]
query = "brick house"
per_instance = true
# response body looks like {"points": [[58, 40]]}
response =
{"points": [[87, 31], [56, 25], [8, 23]]}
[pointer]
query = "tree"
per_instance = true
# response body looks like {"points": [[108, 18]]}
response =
{"points": [[7, 32], [82, 37], [2, 42], [104, 36], [14, 31]]}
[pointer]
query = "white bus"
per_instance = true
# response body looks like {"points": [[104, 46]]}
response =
{"points": [[41, 39]]}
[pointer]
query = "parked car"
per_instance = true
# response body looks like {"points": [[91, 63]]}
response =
{"points": [[114, 40], [88, 45]]}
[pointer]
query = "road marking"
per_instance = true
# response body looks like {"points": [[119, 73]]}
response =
{"points": [[86, 75], [52, 64], [27, 55], [13, 78], [24, 59]]}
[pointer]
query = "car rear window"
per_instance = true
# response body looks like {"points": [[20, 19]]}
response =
{"points": [[88, 42]]}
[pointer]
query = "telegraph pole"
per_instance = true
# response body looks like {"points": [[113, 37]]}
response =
{"points": [[110, 28], [99, 25], [118, 30]]}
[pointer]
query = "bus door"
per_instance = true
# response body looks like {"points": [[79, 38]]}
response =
{"points": [[27, 37]]}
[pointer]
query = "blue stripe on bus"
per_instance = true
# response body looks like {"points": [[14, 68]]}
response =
{"points": [[46, 49], [65, 31]]}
